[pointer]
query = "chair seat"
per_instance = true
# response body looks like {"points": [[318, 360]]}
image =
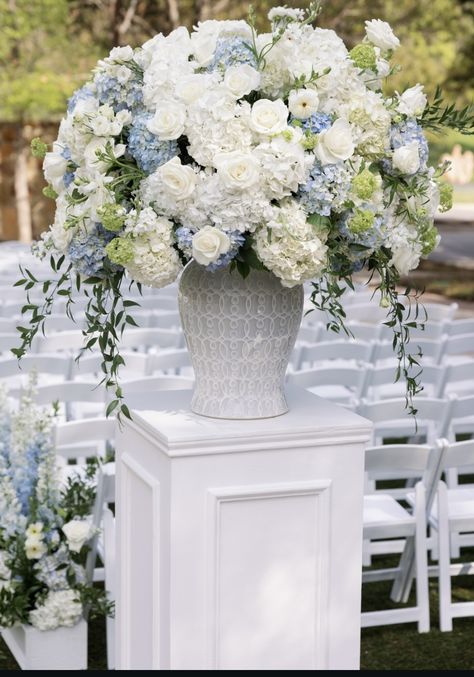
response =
{"points": [[460, 509], [382, 514]]}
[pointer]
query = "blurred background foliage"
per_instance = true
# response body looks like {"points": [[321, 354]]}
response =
{"points": [[48, 48]]}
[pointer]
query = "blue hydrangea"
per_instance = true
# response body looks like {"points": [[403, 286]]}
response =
{"points": [[404, 133], [184, 236], [87, 251], [233, 51], [327, 188], [79, 95], [316, 123], [118, 95], [146, 148], [373, 238]]}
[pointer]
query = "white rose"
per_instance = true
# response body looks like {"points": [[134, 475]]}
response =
{"points": [[269, 117], [335, 144], [208, 245], [191, 87], [405, 258], [168, 121], [121, 53], [179, 180], [406, 159], [237, 170], [303, 103], [413, 101], [241, 80], [381, 35], [77, 533], [54, 167]]}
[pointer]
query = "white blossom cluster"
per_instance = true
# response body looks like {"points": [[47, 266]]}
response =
{"points": [[248, 137], [61, 608]]}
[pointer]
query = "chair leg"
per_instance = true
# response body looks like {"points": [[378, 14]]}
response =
{"points": [[402, 584], [110, 634], [421, 562], [445, 618]]}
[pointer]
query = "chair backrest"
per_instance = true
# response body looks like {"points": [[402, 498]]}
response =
{"points": [[154, 383], [151, 338], [349, 376], [459, 455], [379, 376], [58, 365], [90, 363], [167, 361], [460, 374], [456, 327], [403, 461], [391, 418], [105, 495], [370, 313], [165, 319], [431, 330], [359, 351], [309, 333], [8, 341], [461, 344], [64, 341], [431, 349], [440, 312], [79, 439], [461, 417]]}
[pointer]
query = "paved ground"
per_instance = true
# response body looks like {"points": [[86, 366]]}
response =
{"points": [[457, 237]]}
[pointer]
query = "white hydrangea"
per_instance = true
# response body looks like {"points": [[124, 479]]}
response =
{"points": [[370, 121], [61, 608], [155, 262], [284, 164], [289, 246]]}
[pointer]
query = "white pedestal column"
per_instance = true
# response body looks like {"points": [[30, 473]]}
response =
{"points": [[239, 542]]}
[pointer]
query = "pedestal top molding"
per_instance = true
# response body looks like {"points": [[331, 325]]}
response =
{"points": [[176, 431]]}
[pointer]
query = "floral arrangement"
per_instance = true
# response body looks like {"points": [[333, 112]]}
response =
{"points": [[277, 151], [44, 526]]}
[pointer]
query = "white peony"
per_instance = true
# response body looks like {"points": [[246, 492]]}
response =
{"points": [[168, 121], [269, 117], [208, 245], [412, 102], [335, 144], [303, 103], [381, 34], [177, 180], [77, 533], [406, 159], [241, 80], [237, 170]]}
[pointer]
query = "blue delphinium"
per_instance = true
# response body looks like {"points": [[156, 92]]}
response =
{"points": [[146, 148], [233, 51], [87, 251], [119, 95], [79, 95], [404, 133], [315, 123], [325, 185], [68, 178]]}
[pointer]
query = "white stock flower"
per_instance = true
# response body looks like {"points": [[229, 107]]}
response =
{"points": [[335, 144], [282, 12], [381, 34], [237, 170], [241, 80], [177, 180], [406, 159], [269, 117], [121, 53], [303, 103], [208, 245], [77, 533], [168, 121], [412, 102]]}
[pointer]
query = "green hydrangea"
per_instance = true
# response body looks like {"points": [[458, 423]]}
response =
{"points": [[364, 57], [445, 197], [429, 239], [310, 141], [38, 148], [120, 251], [364, 184], [362, 220], [50, 192], [112, 216]]}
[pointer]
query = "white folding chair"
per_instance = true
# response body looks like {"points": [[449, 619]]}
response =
{"points": [[9, 340], [440, 312], [53, 366], [456, 348], [369, 313], [168, 362], [360, 331], [385, 518], [431, 350], [151, 338], [341, 384], [457, 327], [155, 383], [69, 341], [458, 379], [453, 514]]}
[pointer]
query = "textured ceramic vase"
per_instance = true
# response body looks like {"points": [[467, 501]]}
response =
{"points": [[240, 334]]}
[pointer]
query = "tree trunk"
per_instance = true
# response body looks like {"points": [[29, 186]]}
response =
{"points": [[22, 193], [202, 10], [173, 13]]}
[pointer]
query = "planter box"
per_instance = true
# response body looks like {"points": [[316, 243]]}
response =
{"points": [[60, 649]]}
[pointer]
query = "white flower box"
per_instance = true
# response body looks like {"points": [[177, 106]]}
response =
{"points": [[60, 649]]}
